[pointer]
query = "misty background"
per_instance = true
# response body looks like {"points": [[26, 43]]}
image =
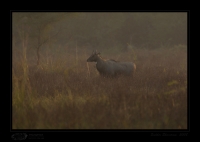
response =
{"points": [[104, 31]]}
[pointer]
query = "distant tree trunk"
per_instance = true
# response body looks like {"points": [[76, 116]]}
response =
{"points": [[38, 55], [38, 48], [41, 42]]}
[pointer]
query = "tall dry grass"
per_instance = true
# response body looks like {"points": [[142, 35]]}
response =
{"points": [[60, 93]]}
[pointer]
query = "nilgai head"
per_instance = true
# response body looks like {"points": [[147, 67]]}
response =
{"points": [[94, 57]]}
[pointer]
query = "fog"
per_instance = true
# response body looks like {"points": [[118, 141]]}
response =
{"points": [[100, 30]]}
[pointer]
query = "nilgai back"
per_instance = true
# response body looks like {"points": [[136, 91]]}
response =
{"points": [[110, 67]]}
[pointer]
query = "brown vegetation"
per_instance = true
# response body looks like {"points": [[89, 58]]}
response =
{"points": [[61, 94]]}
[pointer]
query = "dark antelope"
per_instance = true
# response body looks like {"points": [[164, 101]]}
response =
{"points": [[110, 67]]}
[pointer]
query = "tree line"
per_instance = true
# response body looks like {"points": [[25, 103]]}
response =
{"points": [[101, 29]]}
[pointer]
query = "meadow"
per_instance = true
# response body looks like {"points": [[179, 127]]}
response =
{"points": [[64, 92]]}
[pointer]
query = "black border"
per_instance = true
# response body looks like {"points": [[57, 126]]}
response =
{"points": [[63, 133]]}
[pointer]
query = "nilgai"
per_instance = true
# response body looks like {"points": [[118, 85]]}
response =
{"points": [[110, 67]]}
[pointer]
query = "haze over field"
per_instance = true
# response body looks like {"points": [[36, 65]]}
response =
{"points": [[53, 87]]}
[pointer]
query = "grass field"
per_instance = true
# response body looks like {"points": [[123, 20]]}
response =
{"points": [[62, 94]]}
